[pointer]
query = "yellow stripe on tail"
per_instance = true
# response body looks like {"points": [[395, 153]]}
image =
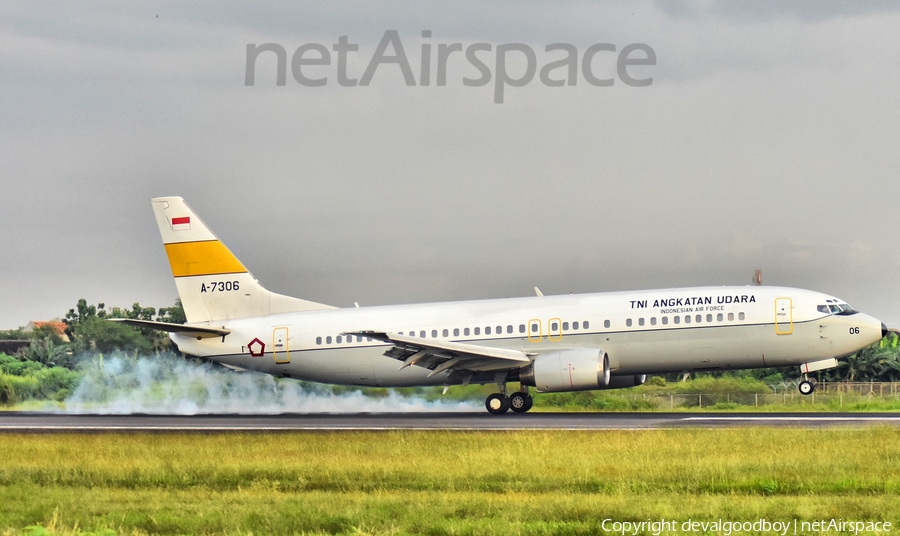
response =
{"points": [[210, 257]]}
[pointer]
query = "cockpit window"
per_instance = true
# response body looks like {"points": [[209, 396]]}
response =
{"points": [[835, 308], [845, 310]]}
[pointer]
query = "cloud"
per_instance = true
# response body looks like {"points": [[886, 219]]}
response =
{"points": [[767, 10]]}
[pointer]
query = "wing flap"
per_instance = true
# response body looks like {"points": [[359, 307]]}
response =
{"points": [[440, 355]]}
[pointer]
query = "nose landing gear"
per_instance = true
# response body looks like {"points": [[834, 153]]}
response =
{"points": [[807, 386]]}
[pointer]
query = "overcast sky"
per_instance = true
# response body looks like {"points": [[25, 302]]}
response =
{"points": [[767, 140]]}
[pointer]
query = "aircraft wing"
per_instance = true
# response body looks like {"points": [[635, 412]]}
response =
{"points": [[442, 355]]}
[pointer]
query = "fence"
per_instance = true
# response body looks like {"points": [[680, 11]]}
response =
{"points": [[879, 389], [835, 394]]}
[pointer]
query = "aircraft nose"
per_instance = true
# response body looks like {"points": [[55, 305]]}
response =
{"points": [[884, 330]]}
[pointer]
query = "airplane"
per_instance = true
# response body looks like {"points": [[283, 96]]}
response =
{"points": [[572, 342]]}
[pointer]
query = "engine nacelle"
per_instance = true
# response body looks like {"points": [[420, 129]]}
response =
{"points": [[582, 369]]}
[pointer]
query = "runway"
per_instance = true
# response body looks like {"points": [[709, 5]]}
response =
{"points": [[11, 422]]}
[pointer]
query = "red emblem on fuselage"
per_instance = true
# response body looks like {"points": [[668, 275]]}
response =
{"points": [[257, 347]]}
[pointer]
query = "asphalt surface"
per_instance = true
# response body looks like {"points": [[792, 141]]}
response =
{"points": [[49, 422]]}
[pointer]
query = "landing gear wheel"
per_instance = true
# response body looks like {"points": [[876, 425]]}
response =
{"points": [[806, 387], [497, 403], [520, 402]]}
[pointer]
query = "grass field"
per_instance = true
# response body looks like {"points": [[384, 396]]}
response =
{"points": [[441, 482]]}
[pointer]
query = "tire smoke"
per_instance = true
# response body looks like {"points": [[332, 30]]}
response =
{"points": [[168, 384]]}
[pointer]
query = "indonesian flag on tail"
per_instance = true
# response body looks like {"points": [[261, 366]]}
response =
{"points": [[182, 223]]}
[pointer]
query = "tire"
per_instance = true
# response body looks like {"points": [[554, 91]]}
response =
{"points": [[497, 404], [519, 402], [806, 387], [529, 401]]}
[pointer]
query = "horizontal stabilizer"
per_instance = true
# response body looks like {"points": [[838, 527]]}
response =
{"points": [[201, 332]]}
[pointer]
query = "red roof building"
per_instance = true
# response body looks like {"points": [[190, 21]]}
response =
{"points": [[56, 325]]}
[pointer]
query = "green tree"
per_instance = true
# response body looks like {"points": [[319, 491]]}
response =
{"points": [[89, 329], [96, 333], [877, 362], [13, 334], [174, 314]]}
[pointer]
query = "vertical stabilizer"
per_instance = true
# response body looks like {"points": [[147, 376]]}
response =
{"points": [[212, 283]]}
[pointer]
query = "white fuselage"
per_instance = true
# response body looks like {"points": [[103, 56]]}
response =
{"points": [[642, 332]]}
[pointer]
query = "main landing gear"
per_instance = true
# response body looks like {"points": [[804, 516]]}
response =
{"points": [[499, 403], [520, 402]]}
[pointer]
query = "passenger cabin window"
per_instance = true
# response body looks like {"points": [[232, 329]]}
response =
{"points": [[477, 331], [446, 333], [565, 326], [509, 328], [652, 320], [554, 326], [422, 334], [456, 332], [318, 340], [534, 327], [487, 330], [434, 334], [687, 319], [574, 325], [466, 332], [730, 317], [640, 321], [665, 320], [740, 316], [720, 317], [709, 318], [628, 322], [585, 324], [521, 328], [328, 339], [606, 323], [698, 318], [677, 319], [339, 339]]}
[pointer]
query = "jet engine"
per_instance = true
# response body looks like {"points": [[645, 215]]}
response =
{"points": [[582, 369]]}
